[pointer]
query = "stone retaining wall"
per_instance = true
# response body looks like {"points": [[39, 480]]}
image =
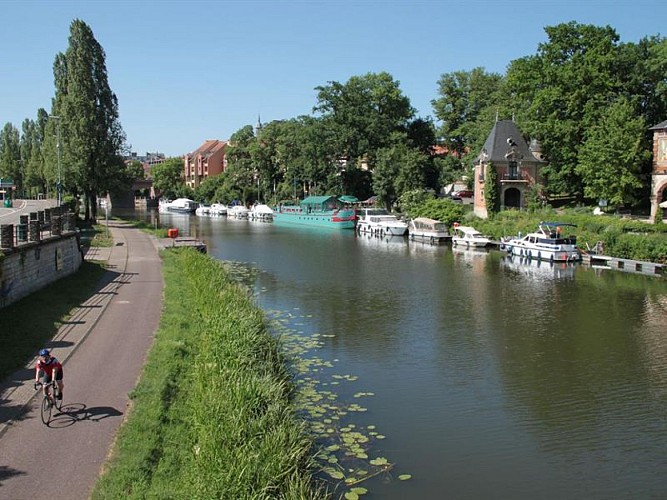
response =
{"points": [[31, 258]]}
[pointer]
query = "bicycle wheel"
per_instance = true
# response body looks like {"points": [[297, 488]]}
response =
{"points": [[46, 410]]}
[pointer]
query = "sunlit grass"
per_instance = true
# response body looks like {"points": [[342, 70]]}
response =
{"points": [[212, 416]]}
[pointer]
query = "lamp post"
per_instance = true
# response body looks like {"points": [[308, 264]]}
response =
{"points": [[58, 182]]}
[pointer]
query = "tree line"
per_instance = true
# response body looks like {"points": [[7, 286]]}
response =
{"points": [[586, 96]]}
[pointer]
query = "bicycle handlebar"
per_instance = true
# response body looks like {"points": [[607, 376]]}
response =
{"points": [[37, 385]]}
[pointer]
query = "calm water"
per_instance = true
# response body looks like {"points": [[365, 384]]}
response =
{"points": [[491, 378]]}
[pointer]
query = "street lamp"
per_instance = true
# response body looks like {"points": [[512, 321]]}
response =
{"points": [[58, 185]]}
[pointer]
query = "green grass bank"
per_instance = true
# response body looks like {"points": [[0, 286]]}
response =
{"points": [[212, 415]]}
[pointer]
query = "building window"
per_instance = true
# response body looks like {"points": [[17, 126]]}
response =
{"points": [[513, 170]]}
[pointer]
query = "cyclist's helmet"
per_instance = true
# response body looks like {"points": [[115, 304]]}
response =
{"points": [[44, 352]]}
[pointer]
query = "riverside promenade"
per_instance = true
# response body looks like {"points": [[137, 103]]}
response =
{"points": [[102, 346]]}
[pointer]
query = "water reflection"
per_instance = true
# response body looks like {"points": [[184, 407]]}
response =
{"points": [[493, 377]]}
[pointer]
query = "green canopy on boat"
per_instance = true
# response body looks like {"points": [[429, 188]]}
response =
{"points": [[348, 199]]}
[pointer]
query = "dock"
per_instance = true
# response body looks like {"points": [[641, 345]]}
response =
{"points": [[626, 265], [183, 242]]}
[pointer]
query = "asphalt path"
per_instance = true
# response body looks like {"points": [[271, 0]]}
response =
{"points": [[103, 346]]}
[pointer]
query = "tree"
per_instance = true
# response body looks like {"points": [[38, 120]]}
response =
{"points": [[564, 90], [10, 155], [467, 103], [363, 113], [92, 138], [32, 141], [611, 157], [168, 177]]}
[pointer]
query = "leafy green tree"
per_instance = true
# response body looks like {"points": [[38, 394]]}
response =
{"points": [[412, 200], [92, 138], [10, 155], [132, 172], [563, 91], [168, 177], [384, 173], [205, 192], [466, 106], [363, 113], [448, 169], [611, 157], [32, 140]]}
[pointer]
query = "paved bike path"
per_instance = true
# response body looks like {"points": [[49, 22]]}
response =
{"points": [[103, 347]]}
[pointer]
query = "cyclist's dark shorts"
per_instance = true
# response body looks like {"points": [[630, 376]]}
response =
{"points": [[45, 378]]}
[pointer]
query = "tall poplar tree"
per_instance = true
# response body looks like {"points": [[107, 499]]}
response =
{"points": [[10, 155], [91, 137]]}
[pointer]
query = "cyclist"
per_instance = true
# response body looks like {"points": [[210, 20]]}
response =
{"points": [[48, 368]]}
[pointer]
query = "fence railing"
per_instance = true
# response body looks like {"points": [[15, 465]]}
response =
{"points": [[36, 226]]}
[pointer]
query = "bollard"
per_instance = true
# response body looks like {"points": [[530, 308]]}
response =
{"points": [[21, 232], [56, 225], [6, 236], [34, 231]]}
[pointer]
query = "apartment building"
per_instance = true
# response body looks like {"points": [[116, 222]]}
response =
{"points": [[206, 161]]}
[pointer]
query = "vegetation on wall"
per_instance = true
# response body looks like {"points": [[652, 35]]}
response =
{"points": [[491, 191]]}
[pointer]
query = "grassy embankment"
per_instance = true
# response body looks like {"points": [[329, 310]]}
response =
{"points": [[211, 415]]}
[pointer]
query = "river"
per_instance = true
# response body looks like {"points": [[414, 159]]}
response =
{"points": [[486, 377]]}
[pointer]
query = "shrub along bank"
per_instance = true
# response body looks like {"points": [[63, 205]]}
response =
{"points": [[211, 415]]}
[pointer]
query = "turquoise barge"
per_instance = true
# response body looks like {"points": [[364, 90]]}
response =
{"points": [[319, 211]]}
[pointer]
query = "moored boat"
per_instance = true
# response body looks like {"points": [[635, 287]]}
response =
{"points": [[380, 222], [261, 212], [546, 243], [469, 237], [320, 211], [202, 210], [179, 205], [237, 211], [218, 209], [425, 229]]}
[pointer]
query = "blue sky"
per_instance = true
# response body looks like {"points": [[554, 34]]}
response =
{"points": [[188, 71]]}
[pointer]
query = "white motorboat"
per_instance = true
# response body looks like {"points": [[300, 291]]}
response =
{"points": [[179, 205], [546, 243], [237, 211], [469, 237], [261, 212], [202, 210], [425, 229], [380, 222], [218, 209]]}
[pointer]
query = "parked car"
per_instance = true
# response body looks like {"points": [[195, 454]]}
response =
{"points": [[464, 193]]}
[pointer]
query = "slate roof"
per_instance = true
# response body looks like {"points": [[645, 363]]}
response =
{"points": [[659, 126], [503, 136], [208, 148]]}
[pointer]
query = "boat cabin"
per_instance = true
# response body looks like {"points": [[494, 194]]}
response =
{"points": [[321, 204]]}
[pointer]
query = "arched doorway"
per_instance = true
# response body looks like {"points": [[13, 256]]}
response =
{"points": [[512, 198]]}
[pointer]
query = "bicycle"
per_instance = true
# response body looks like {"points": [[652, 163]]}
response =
{"points": [[49, 401]]}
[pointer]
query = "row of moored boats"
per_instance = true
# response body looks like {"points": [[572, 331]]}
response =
{"points": [[546, 243], [239, 211]]}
